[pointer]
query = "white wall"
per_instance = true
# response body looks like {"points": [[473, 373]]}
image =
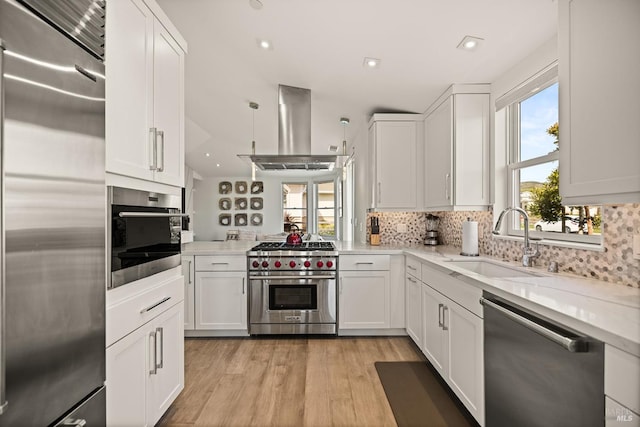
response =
{"points": [[206, 209]]}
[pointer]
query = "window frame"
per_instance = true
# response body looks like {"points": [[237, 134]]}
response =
{"points": [[510, 102], [305, 210]]}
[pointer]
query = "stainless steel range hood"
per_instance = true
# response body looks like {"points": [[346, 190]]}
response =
{"points": [[294, 136]]}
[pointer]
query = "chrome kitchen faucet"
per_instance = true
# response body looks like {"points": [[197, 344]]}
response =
{"points": [[529, 254]]}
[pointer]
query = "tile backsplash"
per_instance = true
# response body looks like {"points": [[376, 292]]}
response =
{"points": [[615, 264]]}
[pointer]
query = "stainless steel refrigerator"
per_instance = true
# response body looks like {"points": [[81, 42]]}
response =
{"points": [[53, 214]]}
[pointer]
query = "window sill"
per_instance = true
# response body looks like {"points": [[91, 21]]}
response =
{"points": [[557, 243]]}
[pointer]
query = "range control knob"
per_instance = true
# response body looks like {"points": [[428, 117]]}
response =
{"points": [[307, 264], [265, 264], [329, 264], [320, 264], [255, 264], [278, 264], [292, 264]]}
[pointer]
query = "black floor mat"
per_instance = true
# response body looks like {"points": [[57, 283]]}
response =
{"points": [[417, 397]]}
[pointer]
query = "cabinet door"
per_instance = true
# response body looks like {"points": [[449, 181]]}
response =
{"points": [[168, 107], [168, 380], [221, 300], [599, 101], [466, 358], [471, 171], [129, 87], [364, 300], [434, 341], [438, 158], [414, 309], [395, 150], [127, 373], [188, 271]]}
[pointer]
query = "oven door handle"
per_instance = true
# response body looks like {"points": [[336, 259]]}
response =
{"points": [[315, 277], [151, 215]]}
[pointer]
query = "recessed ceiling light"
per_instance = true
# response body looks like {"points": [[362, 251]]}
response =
{"points": [[265, 44], [217, 165], [207, 154], [470, 43], [371, 62]]}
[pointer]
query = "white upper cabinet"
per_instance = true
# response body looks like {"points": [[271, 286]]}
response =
{"points": [[395, 141], [145, 93], [456, 153], [598, 71]]}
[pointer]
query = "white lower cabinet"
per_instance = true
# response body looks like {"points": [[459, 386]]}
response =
{"points": [[434, 339], [364, 300], [221, 300], [189, 273], [452, 332], [413, 307], [145, 370]]}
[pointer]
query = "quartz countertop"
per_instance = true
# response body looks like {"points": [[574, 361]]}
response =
{"points": [[605, 311]]}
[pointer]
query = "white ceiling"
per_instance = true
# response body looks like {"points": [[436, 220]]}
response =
{"points": [[321, 45]]}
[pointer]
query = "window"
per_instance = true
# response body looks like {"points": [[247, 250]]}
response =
{"points": [[533, 165], [325, 209], [315, 214], [294, 204]]}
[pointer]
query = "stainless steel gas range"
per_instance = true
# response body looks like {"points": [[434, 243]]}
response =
{"points": [[292, 288]]}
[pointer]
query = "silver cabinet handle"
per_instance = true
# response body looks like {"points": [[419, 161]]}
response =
{"points": [[3, 396], [80, 422], [574, 345], [152, 306], [411, 279], [160, 153], [243, 286], [444, 318], [411, 267], [161, 332], [440, 321], [447, 189], [364, 263], [151, 215], [154, 366], [219, 263], [189, 272], [153, 151]]}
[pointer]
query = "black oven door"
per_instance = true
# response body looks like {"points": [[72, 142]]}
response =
{"points": [[144, 241]]}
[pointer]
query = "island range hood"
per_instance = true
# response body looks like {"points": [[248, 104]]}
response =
{"points": [[294, 137]]}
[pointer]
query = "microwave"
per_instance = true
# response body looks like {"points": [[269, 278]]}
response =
{"points": [[144, 234]]}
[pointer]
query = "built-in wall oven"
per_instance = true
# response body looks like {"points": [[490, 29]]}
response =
{"points": [[292, 288], [144, 231]]}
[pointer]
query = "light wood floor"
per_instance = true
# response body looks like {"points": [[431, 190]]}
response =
{"points": [[286, 382]]}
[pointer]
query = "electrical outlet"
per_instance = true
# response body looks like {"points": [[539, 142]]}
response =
{"points": [[401, 228], [636, 246]]}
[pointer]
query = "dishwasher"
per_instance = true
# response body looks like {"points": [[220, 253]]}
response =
{"points": [[538, 373]]}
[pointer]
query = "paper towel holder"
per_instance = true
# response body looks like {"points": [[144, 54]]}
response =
{"points": [[463, 245]]}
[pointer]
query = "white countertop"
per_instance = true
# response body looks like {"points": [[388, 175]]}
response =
{"points": [[608, 312]]}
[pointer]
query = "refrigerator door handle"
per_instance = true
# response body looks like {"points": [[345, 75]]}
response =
{"points": [[3, 389]]}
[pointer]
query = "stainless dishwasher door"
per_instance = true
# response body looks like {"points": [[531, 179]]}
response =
{"points": [[538, 373]]}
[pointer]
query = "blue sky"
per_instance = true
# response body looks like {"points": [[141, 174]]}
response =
{"points": [[537, 113]]}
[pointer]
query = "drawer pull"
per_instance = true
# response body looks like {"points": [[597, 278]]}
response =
{"points": [[219, 263], [151, 307], [367, 263], [411, 267]]}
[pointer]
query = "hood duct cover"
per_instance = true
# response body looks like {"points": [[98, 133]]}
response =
{"points": [[294, 136]]}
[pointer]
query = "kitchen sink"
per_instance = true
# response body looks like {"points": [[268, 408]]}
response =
{"points": [[491, 269]]}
